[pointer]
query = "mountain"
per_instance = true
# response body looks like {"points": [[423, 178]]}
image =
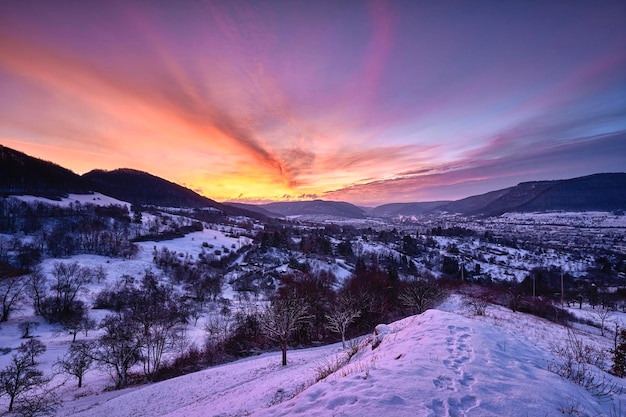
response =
{"points": [[316, 207], [255, 208], [598, 192], [405, 209], [138, 187], [21, 174], [25, 175]]}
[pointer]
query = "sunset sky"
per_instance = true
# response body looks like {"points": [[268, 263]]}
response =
{"points": [[366, 102]]}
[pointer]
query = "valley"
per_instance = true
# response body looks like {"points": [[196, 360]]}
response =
{"points": [[224, 274], [109, 301]]}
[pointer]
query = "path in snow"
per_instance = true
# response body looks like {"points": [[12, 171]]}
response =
{"points": [[461, 353]]}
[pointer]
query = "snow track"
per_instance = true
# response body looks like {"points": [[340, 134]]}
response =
{"points": [[461, 353]]}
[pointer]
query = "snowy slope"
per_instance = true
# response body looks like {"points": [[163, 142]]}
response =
{"points": [[96, 199], [436, 364]]}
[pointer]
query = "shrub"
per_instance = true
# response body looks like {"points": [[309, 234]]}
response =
{"points": [[619, 355]]}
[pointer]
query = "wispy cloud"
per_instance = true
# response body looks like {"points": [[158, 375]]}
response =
{"points": [[581, 156], [349, 100]]}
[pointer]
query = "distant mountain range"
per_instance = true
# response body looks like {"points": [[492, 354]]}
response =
{"points": [[256, 208], [21, 174], [406, 209], [316, 207], [306, 208], [598, 192]]}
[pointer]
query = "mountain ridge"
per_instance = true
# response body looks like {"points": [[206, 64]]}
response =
{"points": [[601, 192], [21, 174], [316, 207]]}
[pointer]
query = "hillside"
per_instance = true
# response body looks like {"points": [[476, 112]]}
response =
{"points": [[254, 208], [316, 207], [405, 209], [141, 188], [435, 364], [23, 174]]}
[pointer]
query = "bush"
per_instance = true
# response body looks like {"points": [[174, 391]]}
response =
{"points": [[194, 359], [619, 355], [579, 363], [545, 309], [478, 305], [54, 312]]}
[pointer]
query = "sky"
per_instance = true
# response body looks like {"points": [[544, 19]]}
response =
{"points": [[367, 102]]}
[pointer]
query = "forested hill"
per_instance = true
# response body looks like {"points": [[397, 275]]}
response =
{"points": [[23, 174], [139, 187]]}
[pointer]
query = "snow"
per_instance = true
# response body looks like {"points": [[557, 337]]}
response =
{"points": [[435, 364], [445, 362], [95, 199], [192, 243], [577, 219], [233, 389]]}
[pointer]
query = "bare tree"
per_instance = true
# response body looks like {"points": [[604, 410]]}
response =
{"points": [[118, 348], [61, 303], [99, 274], [218, 326], [68, 280], [39, 402], [603, 315], [21, 375], [26, 328], [37, 288], [11, 294], [341, 316], [88, 325], [31, 350], [281, 318], [77, 360], [75, 324], [421, 295], [158, 313]]}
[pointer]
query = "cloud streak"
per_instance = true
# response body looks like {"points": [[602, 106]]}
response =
{"points": [[370, 102]]}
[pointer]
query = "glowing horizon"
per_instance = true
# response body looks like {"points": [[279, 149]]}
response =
{"points": [[366, 102]]}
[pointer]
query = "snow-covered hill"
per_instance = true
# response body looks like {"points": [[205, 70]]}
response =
{"points": [[435, 364]]}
